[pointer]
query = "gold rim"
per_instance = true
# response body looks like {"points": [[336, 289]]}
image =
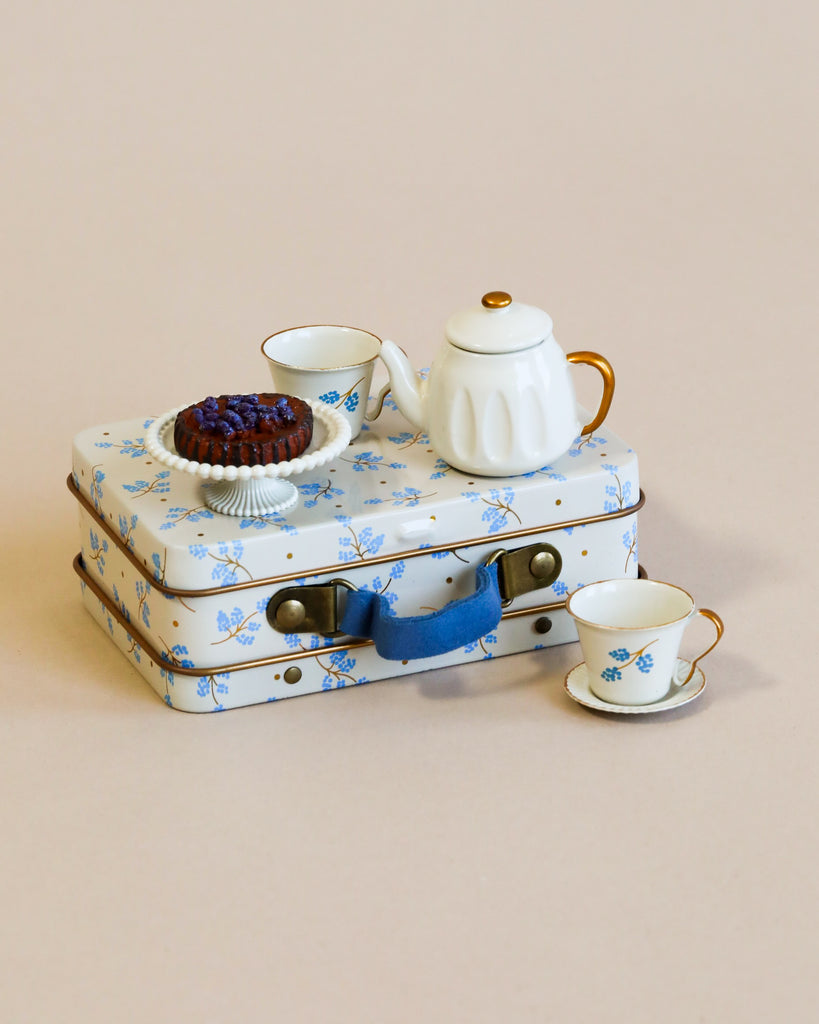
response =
{"points": [[653, 625], [320, 369]]}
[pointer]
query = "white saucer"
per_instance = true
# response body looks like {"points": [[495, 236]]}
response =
{"points": [[576, 685]]}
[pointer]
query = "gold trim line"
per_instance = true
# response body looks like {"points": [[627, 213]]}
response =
{"points": [[276, 659], [339, 567]]}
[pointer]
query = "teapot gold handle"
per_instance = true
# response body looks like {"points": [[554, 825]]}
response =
{"points": [[604, 366]]}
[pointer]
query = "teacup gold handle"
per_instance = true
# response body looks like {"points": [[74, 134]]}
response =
{"points": [[379, 403], [604, 366], [720, 630]]}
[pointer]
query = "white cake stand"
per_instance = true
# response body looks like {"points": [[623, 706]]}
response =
{"points": [[253, 490]]}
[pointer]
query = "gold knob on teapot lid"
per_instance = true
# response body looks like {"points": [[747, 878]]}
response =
{"points": [[496, 300]]}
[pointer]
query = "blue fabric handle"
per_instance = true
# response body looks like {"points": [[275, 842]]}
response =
{"points": [[423, 636]]}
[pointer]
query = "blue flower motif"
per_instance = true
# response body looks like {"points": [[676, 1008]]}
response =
{"points": [[126, 530], [227, 564], [174, 516], [588, 441], [379, 587], [237, 626], [97, 476], [351, 402], [370, 460], [121, 605], [645, 662], [630, 543], [262, 522], [176, 656], [611, 674], [621, 654], [246, 637], [135, 449], [621, 492], [160, 485], [98, 551], [330, 397], [318, 491], [223, 620], [473, 645], [548, 472], [409, 497], [406, 437], [362, 545], [143, 608]]}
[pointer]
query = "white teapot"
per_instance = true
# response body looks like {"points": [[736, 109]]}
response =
{"points": [[499, 399]]}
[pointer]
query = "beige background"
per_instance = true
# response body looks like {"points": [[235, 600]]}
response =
{"points": [[180, 180]]}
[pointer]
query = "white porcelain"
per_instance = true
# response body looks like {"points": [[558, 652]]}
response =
{"points": [[499, 399], [576, 685], [630, 632], [252, 490], [326, 363]]}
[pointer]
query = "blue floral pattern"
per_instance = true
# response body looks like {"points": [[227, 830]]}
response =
{"points": [[350, 399], [642, 662], [498, 507], [386, 498]]}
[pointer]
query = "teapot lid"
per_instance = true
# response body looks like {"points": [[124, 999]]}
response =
{"points": [[498, 325]]}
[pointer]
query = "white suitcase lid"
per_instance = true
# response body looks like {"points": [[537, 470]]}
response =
{"points": [[386, 494]]}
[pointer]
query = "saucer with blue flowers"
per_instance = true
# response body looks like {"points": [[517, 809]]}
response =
{"points": [[576, 685]]}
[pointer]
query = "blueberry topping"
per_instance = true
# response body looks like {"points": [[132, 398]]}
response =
{"points": [[242, 413]]}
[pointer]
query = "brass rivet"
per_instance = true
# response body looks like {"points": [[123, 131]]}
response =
{"points": [[290, 615], [543, 624], [292, 675], [542, 564], [496, 300]]}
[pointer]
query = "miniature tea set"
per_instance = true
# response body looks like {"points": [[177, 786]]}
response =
{"points": [[498, 401]]}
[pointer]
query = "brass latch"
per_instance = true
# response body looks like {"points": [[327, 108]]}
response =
{"points": [[523, 570], [314, 608], [318, 608]]}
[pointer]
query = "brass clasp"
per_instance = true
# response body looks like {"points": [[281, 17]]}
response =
{"points": [[523, 570], [314, 608], [318, 608]]}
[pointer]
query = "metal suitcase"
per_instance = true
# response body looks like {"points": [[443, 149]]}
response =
{"points": [[219, 611]]}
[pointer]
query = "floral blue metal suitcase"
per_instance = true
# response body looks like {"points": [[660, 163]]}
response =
{"points": [[219, 611]]}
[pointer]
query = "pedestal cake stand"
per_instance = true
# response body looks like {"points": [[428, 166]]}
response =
{"points": [[253, 490]]}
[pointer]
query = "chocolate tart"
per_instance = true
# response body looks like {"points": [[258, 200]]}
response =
{"points": [[244, 430]]}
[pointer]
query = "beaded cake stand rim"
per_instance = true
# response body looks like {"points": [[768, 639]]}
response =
{"points": [[336, 438]]}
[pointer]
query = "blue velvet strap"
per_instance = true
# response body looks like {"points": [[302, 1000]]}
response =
{"points": [[458, 623]]}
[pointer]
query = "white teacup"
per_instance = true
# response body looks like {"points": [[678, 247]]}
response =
{"points": [[630, 632], [326, 362]]}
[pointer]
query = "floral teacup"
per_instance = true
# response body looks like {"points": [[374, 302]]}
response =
{"points": [[630, 633], [325, 362]]}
